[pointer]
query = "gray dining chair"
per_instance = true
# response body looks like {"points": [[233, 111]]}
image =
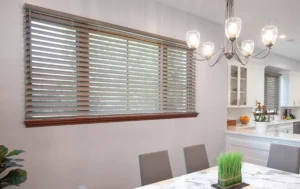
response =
{"points": [[285, 158], [195, 158], [155, 167]]}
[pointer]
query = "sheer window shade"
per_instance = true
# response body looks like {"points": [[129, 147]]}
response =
{"points": [[272, 90], [82, 68]]}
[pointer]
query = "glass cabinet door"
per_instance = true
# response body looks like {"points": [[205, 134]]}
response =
{"points": [[234, 85], [243, 86], [237, 85]]}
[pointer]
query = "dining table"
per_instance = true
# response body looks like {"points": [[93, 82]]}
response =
{"points": [[258, 177]]}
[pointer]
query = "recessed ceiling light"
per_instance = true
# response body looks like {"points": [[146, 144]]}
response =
{"points": [[282, 36]]}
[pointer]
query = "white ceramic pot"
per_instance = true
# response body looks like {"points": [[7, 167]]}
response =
{"points": [[261, 127]]}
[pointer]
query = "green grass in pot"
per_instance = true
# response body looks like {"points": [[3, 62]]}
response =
{"points": [[229, 169]]}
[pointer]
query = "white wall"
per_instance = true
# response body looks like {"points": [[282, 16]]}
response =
{"points": [[105, 156], [279, 61]]}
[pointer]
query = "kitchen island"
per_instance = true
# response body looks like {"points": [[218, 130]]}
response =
{"points": [[255, 147]]}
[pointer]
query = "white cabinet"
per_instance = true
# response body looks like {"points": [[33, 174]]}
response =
{"points": [[294, 90], [245, 84], [280, 128], [293, 93], [290, 89], [256, 85], [256, 148], [237, 85]]}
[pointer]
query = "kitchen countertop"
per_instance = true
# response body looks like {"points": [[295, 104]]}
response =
{"points": [[277, 122], [283, 121], [250, 131]]}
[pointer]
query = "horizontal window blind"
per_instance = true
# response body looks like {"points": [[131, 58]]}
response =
{"points": [[77, 68], [272, 91]]}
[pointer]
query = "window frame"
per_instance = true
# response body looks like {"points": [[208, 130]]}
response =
{"points": [[153, 38]]}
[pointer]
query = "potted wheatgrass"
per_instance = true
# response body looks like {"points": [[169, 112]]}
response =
{"points": [[230, 169]]}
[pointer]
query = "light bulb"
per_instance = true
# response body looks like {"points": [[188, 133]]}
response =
{"points": [[269, 35], [247, 47], [208, 49], [193, 39], [233, 28]]}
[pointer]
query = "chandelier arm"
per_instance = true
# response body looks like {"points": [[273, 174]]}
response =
{"points": [[211, 54], [256, 56], [237, 45], [219, 58], [206, 58], [197, 59], [218, 51], [199, 54], [236, 56]]}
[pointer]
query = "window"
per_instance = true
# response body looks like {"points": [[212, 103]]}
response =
{"points": [[272, 92], [84, 71]]}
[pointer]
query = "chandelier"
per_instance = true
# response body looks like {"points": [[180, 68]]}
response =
{"points": [[231, 49]]}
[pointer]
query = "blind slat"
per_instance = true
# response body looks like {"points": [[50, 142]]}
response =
{"points": [[63, 98], [109, 81], [95, 108], [133, 76], [105, 94], [70, 57], [96, 83], [105, 89], [114, 66], [103, 103], [98, 113], [118, 70]]}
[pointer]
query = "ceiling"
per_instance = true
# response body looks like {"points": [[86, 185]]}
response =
{"points": [[255, 14]]}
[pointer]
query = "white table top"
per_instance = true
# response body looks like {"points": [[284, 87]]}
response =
{"points": [[257, 176]]}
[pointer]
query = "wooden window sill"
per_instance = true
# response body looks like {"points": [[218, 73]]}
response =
{"points": [[104, 119]]}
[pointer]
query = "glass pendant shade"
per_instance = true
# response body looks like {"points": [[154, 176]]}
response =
{"points": [[247, 47], [233, 28], [208, 49], [193, 39], [269, 35]]}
